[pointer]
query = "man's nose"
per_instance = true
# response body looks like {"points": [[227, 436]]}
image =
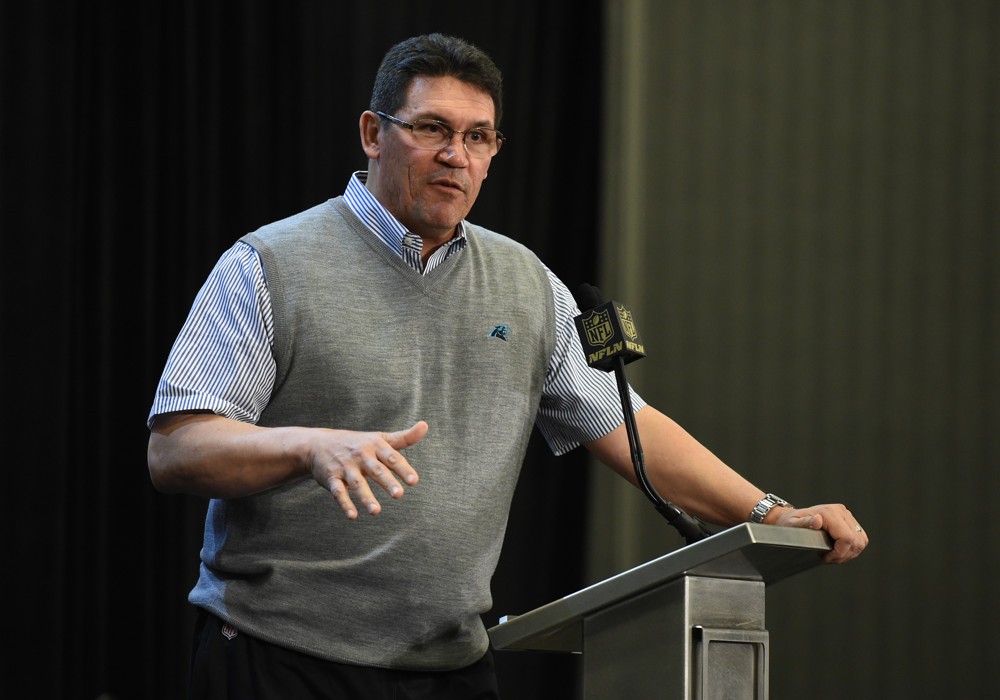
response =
{"points": [[454, 153]]}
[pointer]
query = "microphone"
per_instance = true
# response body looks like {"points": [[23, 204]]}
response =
{"points": [[611, 340], [607, 331]]}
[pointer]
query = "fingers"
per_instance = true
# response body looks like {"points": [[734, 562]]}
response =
{"points": [[849, 537], [353, 485], [340, 491], [811, 521], [347, 463], [401, 440], [410, 436]]}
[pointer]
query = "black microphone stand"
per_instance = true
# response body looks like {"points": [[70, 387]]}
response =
{"points": [[690, 529]]}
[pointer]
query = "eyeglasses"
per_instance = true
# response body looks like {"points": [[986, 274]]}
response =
{"points": [[480, 142]]}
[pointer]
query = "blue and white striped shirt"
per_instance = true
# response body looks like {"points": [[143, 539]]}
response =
{"points": [[222, 361]]}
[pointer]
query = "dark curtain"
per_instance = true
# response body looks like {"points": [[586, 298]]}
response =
{"points": [[139, 140]]}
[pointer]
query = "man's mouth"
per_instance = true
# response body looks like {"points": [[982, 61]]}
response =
{"points": [[449, 184]]}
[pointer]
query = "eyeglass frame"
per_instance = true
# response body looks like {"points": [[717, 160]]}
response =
{"points": [[452, 131]]}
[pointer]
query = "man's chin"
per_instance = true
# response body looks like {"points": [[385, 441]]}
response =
{"points": [[445, 222]]}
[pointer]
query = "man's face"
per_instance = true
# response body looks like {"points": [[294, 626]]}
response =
{"points": [[430, 192]]}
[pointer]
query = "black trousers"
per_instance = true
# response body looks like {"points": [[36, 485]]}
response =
{"points": [[231, 667]]}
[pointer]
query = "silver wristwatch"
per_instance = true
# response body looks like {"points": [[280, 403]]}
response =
{"points": [[765, 505]]}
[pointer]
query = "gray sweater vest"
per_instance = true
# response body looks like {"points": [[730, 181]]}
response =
{"points": [[365, 343]]}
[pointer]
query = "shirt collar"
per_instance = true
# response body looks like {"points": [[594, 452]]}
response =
{"points": [[387, 227]]}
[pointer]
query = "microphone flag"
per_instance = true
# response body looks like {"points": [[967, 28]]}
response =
{"points": [[608, 331]]}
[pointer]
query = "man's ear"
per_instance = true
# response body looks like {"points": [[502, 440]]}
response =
{"points": [[370, 127]]}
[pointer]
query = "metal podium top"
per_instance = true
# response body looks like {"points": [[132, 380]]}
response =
{"points": [[749, 551]]}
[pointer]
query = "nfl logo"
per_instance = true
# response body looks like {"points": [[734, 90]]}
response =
{"points": [[598, 327], [628, 325]]}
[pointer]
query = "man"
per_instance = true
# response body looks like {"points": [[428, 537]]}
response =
{"points": [[268, 407]]}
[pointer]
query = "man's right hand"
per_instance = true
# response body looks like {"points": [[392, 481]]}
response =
{"points": [[204, 454], [346, 462]]}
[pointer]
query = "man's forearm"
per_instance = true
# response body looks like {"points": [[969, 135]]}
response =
{"points": [[208, 455], [682, 470]]}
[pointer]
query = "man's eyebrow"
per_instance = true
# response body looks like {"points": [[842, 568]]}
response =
{"points": [[484, 124]]}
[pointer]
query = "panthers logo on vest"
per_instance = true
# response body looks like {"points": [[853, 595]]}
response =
{"points": [[500, 331]]}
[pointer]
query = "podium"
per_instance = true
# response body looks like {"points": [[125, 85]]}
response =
{"points": [[688, 625]]}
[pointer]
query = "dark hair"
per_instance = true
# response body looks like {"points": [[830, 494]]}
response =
{"points": [[434, 56]]}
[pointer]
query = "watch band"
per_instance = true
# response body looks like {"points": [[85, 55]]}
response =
{"points": [[765, 505]]}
